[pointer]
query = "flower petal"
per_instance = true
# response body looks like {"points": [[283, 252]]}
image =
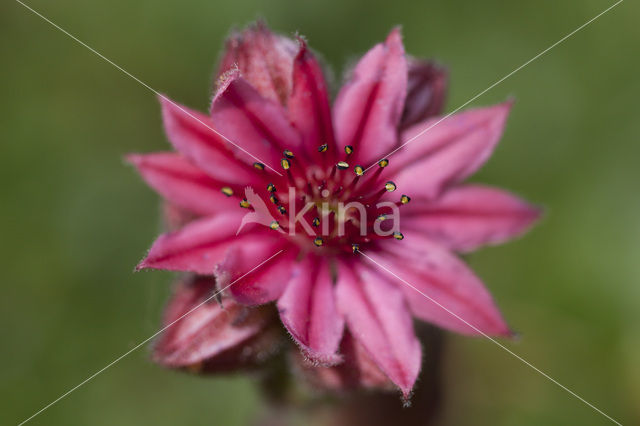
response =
{"points": [[202, 244], [426, 92], [446, 151], [190, 133], [437, 274], [358, 371], [257, 270], [308, 311], [255, 123], [309, 109], [211, 336], [182, 183], [466, 217], [264, 59], [379, 319], [368, 108]]}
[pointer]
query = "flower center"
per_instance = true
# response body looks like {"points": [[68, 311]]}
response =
{"points": [[330, 203]]}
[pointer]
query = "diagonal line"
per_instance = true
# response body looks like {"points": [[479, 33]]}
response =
{"points": [[496, 83], [495, 341], [148, 87], [143, 342]]}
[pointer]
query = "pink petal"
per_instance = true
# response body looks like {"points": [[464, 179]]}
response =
{"points": [[447, 152], [308, 311], [379, 319], [202, 244], [207, 333], [466, 305], [256, 124], [270, 271], [426, 92], [190, 133], [368, 108], [309, 109], [264, 59], [182, 183], [466, 217], [175, 217], [357, 371]]}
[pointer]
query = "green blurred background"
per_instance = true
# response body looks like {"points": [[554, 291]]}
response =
{"points": [[74, 220]]}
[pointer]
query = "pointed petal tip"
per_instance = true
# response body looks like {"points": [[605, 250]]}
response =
{"points": [[142, 265], [395, 35], [132, 158], [318, 359], [514, 335]]}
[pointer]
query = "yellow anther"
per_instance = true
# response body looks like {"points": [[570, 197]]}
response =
{"points": [[274, 225], [390, 186], [315, 222], [227, 191], [398, 235], [271, 188], [245, 204], [287, 153], [359, 170], [318, 242], [282, 210], [383, 163], [405, 199], [382, 217], [348, 149], [323, 148], [258, 166], [286, 164], [273, 199], [342, 165]]}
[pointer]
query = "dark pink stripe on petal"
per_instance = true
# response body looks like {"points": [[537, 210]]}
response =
{"points": [[308, 106], [201, 245], [308, 310], [368, 108], [265, 283], [256, 124], [448, 151], [200, 332], [182, 183], [443, 277], [466, 217], [378, 318], [201, 145]]}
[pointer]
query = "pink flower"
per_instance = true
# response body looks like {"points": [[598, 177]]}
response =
{"points": [[272, 102]]}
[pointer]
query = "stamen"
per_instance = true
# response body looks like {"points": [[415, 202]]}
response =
{"points": [[227, 191], [390, 186], [358, 170], [258, 166], [323, 148], [405, 199], [318, 241], [398, 235], [342, 165], [315, 222], [355, 248], [271, 188], [287, 153], [282, 210], [245, 204], [382, 217], [274, 199], [274, 225], [285, 163], [348, 149], [383, 163]]}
